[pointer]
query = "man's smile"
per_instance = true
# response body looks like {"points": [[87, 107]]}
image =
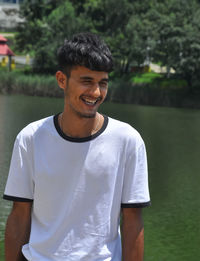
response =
{"points": [[90, 101]]}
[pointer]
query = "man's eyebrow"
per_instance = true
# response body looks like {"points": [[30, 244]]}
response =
{"points": [[105, 80], [86, 78], [90, 78]]}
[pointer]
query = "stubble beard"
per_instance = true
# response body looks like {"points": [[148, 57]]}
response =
{"points": [[79, 113], [84, 115]]}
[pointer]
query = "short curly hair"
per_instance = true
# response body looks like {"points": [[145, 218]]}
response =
{"points": [[85, 49]]}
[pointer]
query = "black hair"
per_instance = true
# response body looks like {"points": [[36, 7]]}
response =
{"points": [[85, 49]]}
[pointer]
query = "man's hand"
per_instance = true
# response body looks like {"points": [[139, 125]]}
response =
{"points": [[17, 230], [132, 234]]}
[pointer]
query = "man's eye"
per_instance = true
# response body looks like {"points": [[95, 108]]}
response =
{"points": [[103, 84], [87, 82]]}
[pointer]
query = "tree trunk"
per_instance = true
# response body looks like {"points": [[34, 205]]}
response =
{"points": [[168, 71], [126, 69]]}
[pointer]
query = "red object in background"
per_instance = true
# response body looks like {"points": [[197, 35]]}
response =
{"points": [[4, 49]]}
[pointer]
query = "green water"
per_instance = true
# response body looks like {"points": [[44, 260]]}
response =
{"points": [[172, 137]]}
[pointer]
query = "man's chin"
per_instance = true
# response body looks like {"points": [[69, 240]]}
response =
{"points": [[87, 115], [90, 116]]}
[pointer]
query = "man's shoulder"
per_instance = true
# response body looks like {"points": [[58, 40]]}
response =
{"points": [[35, 127], [123, 129], [125, 134]]}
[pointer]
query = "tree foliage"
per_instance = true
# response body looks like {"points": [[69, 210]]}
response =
{"points": [[178, 43], [34, 13], [47, 23], [166, 31]]}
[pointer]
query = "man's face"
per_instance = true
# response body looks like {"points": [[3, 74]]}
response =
{"points": [[85, 90]]}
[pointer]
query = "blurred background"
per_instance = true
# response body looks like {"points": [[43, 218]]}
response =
{"points": [[155, 87]]}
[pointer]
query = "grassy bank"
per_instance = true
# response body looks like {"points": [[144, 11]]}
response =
{"points": [[153, 89], [146, 89], [36, 85], [2, 258]]}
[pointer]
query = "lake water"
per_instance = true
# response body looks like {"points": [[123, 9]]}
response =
{"points": [[172, 137]]}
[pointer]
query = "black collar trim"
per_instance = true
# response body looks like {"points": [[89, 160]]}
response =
{"points": [[84, 139]]}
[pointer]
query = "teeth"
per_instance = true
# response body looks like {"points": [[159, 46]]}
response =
{"points": [[90, 101]]}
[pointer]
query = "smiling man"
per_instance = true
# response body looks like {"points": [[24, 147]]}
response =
{"points": [[74, 174]]}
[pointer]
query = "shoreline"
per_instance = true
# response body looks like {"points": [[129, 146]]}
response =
{"points": [[120, 90]]}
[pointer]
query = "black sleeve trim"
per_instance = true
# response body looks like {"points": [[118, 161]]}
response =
{"points": [[18, 199], [136, 205]]}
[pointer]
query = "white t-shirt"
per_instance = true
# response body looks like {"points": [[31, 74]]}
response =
{"points": [[78, 186]]}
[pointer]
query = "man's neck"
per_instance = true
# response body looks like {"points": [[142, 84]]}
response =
{"points": [[79, 126]]}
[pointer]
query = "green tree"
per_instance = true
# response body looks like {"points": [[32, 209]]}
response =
{"points": [[167, 31], [177, 37], [46, 24], [188, 63], [137, 37], [31, 30], [61, 23], [109, 18]]}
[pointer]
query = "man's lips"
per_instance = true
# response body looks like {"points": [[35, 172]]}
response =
{"points": [[90, 101]]}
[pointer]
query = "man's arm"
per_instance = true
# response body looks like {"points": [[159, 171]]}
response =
{"points": [[132, 234], [17, 230]]}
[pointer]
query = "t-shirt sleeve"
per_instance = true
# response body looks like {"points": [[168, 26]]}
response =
{"points": [[20, 185], [135, 192]]}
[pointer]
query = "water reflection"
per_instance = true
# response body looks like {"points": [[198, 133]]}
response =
{"points": [[4, 161], [172, 227], [15, 113]]}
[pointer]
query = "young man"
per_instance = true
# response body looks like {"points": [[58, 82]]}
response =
{"points": [[73, 174]]}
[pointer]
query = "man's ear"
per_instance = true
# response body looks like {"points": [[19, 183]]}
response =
{"points": [[61, 79]]}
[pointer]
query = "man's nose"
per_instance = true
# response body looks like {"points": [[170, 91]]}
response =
{"points": [[95, 90]]}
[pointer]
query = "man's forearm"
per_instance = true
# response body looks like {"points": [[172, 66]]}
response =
{"points": [[132, 238], [16, 235], [132, 247]]}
